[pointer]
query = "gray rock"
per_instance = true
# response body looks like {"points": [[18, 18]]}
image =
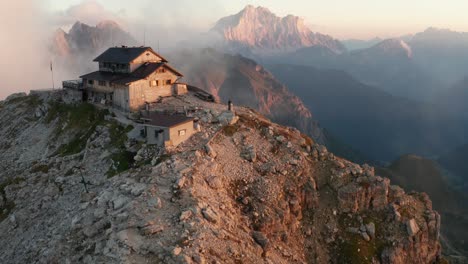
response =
{"points": [[210, 215], [370, 228], [228, 118], [365, 236], [138, 189], [260, 238], [180, 183], [214, 182], [280, 138], [155, 202], [210, 151], [185, 215], [353, 230], [119, 202], [249, 154], [412, 227]]}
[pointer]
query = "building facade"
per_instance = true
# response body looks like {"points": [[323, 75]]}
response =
{"points": [[167, 130], [130, 77]]}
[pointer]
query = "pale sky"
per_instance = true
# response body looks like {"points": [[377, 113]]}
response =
{"points": [[339, 18]]}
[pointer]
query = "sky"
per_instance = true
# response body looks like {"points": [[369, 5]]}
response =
{"points": [[27, 26], [343, 19]]}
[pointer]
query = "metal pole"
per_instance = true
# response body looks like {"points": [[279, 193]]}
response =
{"points": [[52, 71]]}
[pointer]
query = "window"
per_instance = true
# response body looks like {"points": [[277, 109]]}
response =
{"points": [[157, 82], [182, 132], [168, 81], [102, 83], [153, 83], [158, 132], [90, 82]]}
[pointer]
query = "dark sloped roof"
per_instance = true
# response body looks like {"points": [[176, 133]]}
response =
{"points": [[165, 120], [142, 72], [124, 54], [103, 76]]}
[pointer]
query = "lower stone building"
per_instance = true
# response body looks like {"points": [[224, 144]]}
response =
{"points": [[166, 130]]}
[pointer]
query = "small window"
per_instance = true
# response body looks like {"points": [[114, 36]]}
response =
{"points": [[147, 54], [102, 83], [182, 132], [168, 81], [90, 82], [158, 132], [157, 82], [153, 83]]}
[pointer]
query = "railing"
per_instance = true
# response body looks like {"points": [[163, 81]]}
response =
{"points": [[73, 84]]}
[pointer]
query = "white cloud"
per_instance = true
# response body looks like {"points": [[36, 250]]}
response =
{"points": [[89, 12]]}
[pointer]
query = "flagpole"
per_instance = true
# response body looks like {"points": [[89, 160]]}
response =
{"points": [[52, 71]]}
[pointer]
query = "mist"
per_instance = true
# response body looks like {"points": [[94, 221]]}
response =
{"points": [[24, 65]]}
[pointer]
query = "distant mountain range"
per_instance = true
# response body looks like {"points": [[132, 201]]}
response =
{"points": [[380, 125], [357, 44], [257, 29], [388, 64]]}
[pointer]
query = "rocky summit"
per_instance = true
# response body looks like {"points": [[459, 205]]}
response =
{"points": [[259, 28], [76, 187]]}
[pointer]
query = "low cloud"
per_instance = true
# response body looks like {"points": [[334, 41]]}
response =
{"points": [[24, 65], [89, 12]]}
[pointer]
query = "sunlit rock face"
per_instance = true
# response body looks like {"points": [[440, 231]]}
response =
{"points": [[257, 27]]}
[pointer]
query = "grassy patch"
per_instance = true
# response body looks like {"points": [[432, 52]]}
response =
{"points": [[9, 205], [81, 119], [31, 101], [118, 133], [122, 161], [44, 168], [354, 249]]}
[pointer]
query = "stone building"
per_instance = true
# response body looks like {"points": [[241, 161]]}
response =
{"points": [[166, 130], [130, 77]]}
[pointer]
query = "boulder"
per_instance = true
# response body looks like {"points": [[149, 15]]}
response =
{"points": [[370, 229], [210, 151], [185, 215], [260, 238], [214, 182], [210, 215], [412, 227], [228, 118]]}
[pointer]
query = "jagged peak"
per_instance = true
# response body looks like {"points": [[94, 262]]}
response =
{"points": [[108, 24]]}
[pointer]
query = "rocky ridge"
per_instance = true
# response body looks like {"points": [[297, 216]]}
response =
{"points": [[241, 189]]}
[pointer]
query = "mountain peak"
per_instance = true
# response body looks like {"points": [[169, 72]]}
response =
{"points": [[394, 46], [108, 24], [259, 28]]}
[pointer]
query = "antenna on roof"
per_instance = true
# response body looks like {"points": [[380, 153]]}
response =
{"points": [[144, 35]]}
